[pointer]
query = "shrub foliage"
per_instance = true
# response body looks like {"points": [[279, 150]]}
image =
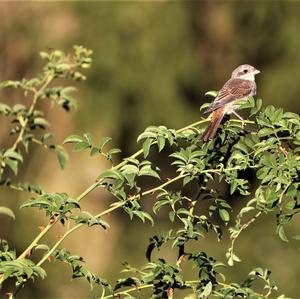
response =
{"points": [[267, 147]]}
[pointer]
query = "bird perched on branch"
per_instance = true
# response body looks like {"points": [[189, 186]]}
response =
{"points": [[240, 86]]}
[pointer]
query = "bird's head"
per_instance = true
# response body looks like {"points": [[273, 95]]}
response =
{"points": [[245, 71]]}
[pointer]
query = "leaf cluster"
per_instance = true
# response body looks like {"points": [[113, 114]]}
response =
{"points": [[258, 163]]}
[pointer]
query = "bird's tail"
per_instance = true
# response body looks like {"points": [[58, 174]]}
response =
{"points": [[211, 130]]}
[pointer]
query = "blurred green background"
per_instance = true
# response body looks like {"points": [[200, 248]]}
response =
{"points": [[153, 62]]}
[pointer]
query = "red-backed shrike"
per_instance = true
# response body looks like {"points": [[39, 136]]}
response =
{"points": [[240, 86]]}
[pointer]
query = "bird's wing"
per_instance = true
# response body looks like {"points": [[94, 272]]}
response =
{"points": [[232, 90]]}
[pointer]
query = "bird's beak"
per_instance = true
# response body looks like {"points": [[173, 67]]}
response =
{"points": [[256, 72]]}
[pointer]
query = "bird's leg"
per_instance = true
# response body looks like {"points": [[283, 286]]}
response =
{"points": [[237, 115]]}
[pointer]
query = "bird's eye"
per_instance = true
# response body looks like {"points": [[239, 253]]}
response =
{"points": [[245, 71]]}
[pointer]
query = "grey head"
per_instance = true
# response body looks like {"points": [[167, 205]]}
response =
{"points": [[245, 71]]}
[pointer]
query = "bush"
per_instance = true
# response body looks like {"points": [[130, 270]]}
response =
{"points": [[267, 147]]}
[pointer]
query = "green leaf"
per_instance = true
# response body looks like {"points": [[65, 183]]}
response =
{"points": [[42, 247], [39, 121], [130, 178], [113, 151], [224, 215], [40, 272], [130, 169], [212, 93], [241, 147], [46, 137], [143, 216], [62, 156], [69, 89], [73, 139], [146, 134], [5, 109], [245, 210], [265, 132], [149, 217], [148, 171], [45, 55], [257, 107], [146, 147], [111, 174], [186, 180], [18, 107], [94, 151], [207, 290], [10, 83], [233, 258], [8, 212], [172, 216], [81, 146], [11, 153], [103, 142], [13, 165], [281, 233], [204, 106], [161, 141]]}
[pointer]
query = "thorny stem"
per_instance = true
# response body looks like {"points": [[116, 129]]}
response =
{"points": [[35, 241], [243, 227], [188, 282]]}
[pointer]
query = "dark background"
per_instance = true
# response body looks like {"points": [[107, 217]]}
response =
{"points": [[153, 62]]}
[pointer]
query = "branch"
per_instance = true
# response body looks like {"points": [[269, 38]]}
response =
{"points": [[95, 185], [48, 80], [187, 283]]}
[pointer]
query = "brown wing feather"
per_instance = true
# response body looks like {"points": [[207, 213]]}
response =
{"points": [[232, 90]]}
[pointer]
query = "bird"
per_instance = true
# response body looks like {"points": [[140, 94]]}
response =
{"points": [[240, 86]]}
